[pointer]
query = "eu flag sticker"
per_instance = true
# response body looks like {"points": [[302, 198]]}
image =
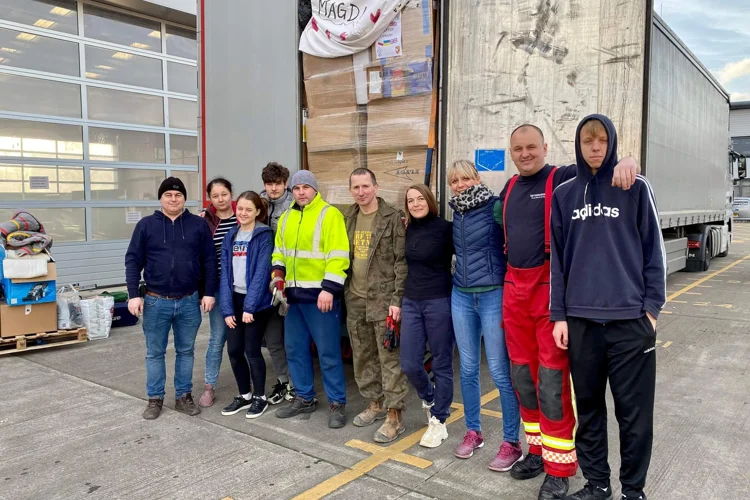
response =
{"points": [[490, 160]]}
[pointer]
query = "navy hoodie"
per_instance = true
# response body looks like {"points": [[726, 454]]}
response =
{"points": [[608, 260], [173, 255]]}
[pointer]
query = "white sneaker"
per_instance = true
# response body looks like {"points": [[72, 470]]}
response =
{"points": [[426, 407], [435, 435]]}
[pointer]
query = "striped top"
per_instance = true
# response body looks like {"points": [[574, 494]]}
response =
{"points": [[221, 230]]}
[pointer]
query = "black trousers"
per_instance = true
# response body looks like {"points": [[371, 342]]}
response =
{"points": [[243, 347], [624, 353]]}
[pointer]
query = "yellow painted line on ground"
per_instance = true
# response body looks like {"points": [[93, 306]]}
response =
{"points": [[667, 344], [666, 312], [396, 456], [382, 455], [693, 293], [491, 413], [706, 278], [678, 301]]}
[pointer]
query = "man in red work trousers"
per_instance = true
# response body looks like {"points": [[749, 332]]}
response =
{"points": [[539, 369]]}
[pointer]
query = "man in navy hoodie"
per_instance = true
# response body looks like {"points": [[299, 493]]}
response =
{"points": [[608, 285], [174, 249]]}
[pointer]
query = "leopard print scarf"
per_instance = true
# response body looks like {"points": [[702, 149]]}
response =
{"points": [[471, 198]]}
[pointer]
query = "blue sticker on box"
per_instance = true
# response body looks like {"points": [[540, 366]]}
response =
{"points": [[490, 160], [426, 16]]}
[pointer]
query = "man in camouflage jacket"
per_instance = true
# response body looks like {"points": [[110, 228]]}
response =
{"points": [[373, 292]]}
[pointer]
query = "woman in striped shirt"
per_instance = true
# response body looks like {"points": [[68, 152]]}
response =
{"points": [[221, 217]]}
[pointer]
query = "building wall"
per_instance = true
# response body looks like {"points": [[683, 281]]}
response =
{"points": [[104, 108], [739, 123], [252, 88]]}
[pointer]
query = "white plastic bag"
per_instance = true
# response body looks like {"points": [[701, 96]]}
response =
{"points": [[68, 308], [97, 315]]}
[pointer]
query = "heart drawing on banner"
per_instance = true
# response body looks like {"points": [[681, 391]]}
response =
{"points": [[375, 16]]}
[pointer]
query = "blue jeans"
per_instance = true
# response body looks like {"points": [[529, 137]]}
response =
{"points": [[475, 314], [424, 321], [183, 317], [303, 325], [216, 341]]}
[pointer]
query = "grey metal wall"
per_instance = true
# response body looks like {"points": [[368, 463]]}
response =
{"points": [[688, 134], [739, 122], [252, 108], [93, 263]]}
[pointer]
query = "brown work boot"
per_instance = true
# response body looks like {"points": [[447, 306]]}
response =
{"points": [[375, 411], [153, 410], [186, 405], [207, 398], [391, 429]]}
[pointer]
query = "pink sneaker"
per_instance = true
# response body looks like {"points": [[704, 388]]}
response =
{"points": [[207, 398], [472, 441], [508, 455]]}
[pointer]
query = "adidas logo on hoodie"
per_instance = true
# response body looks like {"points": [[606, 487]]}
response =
{"points": [[597, 211]]}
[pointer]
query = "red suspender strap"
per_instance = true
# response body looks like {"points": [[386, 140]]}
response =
{"points": [[505, 210], [548, 190]]}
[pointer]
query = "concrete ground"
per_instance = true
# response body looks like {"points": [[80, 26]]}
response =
{"points": [[70, 424]]}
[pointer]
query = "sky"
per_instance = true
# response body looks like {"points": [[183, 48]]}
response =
{"points": [[718, 32]]}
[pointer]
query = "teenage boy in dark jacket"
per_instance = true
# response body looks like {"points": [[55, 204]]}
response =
{"points": [[608, 285], [173, 248]]}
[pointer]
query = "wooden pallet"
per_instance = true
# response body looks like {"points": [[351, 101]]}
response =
{"points": [[24, 343]]}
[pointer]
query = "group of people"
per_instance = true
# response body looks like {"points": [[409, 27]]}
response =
{"points": [[562, 275]]}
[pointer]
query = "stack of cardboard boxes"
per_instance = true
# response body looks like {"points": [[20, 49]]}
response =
{"points": [[375, 112], [30, 303]]}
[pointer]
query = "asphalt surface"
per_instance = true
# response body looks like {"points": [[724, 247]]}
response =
{"points": [[70, 424]]}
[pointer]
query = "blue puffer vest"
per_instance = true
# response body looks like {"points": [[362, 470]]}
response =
{"points": [[479, 244]]}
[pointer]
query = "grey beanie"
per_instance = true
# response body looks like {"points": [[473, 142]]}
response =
{"points": [[304, 177]]}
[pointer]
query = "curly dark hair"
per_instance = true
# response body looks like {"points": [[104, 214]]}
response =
{"points": [[275, 172]]}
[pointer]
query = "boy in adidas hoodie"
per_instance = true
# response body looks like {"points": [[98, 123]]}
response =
{"points": [[608, 285]]}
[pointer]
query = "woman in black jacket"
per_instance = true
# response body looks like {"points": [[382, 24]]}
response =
{"points": [[426, 309]]}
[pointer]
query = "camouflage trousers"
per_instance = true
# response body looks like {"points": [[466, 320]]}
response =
{"points": [[377, 372]]}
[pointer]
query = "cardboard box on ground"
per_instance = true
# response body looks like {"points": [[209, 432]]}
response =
{"points": [[374, 114], [29, 318]]}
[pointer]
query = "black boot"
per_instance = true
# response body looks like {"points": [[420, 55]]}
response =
{"points": [[553, 488], [531, 466]]}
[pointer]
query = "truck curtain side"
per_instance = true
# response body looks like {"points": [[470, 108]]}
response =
{"points": [[552, 63]]}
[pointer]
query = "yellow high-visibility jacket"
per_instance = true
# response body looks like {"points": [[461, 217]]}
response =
{"points": [[312, 247]]}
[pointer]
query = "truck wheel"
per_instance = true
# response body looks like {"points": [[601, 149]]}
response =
{"points": [[707, 255]]}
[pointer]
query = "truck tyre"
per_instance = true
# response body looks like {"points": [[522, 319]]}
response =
{"points": [[707, 254]]}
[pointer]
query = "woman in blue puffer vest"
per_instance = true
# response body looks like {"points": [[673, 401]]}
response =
{"points": [[476, 306]]}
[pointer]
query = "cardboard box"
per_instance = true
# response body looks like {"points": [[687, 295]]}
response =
{"points": [[313, 66], [333, 92], [396, 170], [32, 290], [398, 123], [22, 320], [332, 169], [399, 79], [335, 131], [416, 31]]}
